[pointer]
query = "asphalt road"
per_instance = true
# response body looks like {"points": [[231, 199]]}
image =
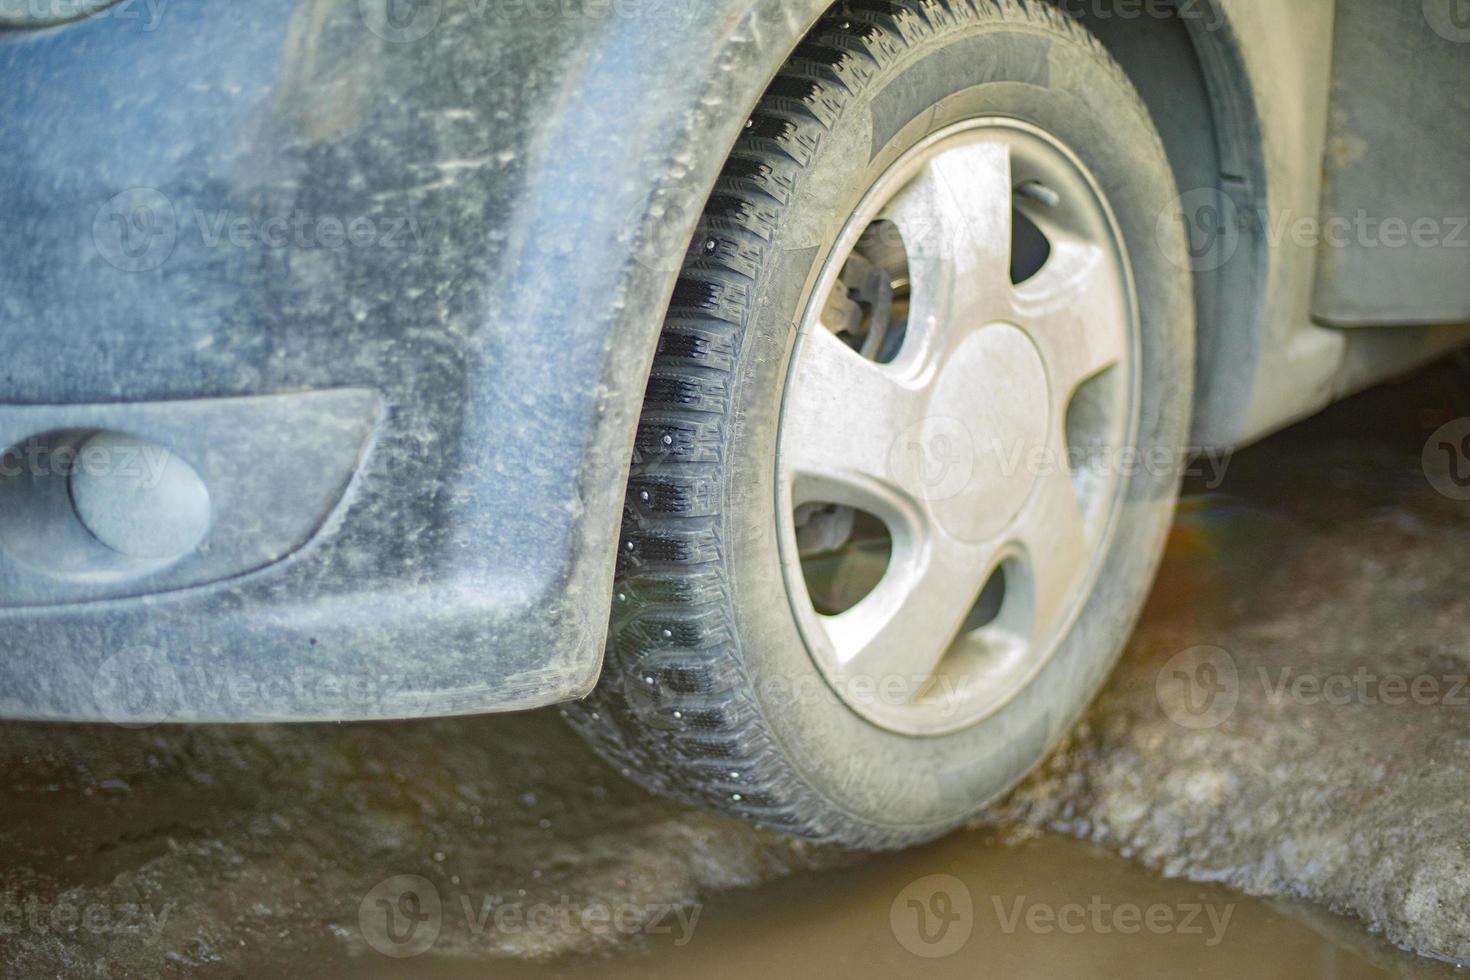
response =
{"points": [[1290, 722]]}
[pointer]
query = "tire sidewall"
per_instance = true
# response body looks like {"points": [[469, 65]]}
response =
{"points": [[1067, 87]]}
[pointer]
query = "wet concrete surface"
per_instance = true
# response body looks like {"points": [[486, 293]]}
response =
{"points": [[1254, 741], [1293, 715]]}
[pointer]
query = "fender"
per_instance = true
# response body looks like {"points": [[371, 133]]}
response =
{"points": [[477, 201]]}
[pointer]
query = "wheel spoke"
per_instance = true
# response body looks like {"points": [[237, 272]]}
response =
{"points": [[1076, 310], [955, 218], [843, 415], [927, 594], [1058, 543]]}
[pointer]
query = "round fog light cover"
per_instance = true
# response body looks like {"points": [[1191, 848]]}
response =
{"points": [[138, 498]]}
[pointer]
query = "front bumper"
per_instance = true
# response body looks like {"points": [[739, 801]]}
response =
{"points": [[390, 284]]}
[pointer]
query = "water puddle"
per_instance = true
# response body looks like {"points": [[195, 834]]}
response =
{"points": [[966, 907]]}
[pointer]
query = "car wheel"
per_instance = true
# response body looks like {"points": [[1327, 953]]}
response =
{"points": [[909, 447]]}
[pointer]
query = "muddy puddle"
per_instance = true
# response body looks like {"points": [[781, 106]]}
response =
{"points": [[970, 907]]}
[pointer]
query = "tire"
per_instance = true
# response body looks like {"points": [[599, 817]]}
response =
{"points": [[710, 693]]}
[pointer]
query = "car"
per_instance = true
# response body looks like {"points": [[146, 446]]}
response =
{"points": [[798, 392]]}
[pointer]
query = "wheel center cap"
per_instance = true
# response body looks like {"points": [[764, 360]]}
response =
{"points": [[975, 456]]}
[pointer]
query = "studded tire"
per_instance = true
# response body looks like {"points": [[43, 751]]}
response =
{"points": [[708, 694]]}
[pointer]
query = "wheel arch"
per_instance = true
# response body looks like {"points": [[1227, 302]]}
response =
{"points": [[1190, 69]]}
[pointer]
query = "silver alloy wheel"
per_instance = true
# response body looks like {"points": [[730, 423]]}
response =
{"points": [[986, 430]]}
